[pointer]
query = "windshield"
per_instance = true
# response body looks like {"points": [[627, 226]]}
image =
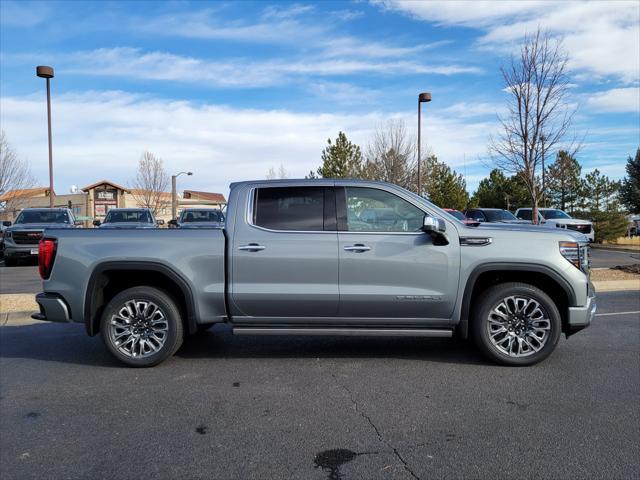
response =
{"points": [[499, 215], [202, 216], [457, 214], [549, 214], [43, 216], [134, 216]]}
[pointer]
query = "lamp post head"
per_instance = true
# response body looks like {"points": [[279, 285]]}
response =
{"points": [[189, 173], [424, 97], [43, 71]]}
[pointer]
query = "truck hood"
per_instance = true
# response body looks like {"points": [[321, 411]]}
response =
{"points": [[568, 221], [127, 225], [36, 226]]}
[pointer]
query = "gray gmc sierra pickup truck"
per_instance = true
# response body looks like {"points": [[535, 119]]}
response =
{"points": [[321, 257]]}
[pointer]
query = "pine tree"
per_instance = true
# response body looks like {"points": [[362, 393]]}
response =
{"points": [[563, 182], [630, 189], [444, 186], [341, 159]]}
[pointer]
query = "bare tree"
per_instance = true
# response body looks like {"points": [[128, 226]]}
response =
{"points": [[151, 183], [281, 173], [391, 155], [539, 114], [14, 171]]}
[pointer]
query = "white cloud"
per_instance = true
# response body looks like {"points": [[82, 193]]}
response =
{"points": [[135, 63], [102, 134], [602, 38], [616, 100], [22, 14]]}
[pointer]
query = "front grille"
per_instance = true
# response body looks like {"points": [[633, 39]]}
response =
{"points": [[27, 238], [582, 228]]}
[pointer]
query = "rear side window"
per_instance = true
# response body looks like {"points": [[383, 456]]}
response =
{"points": [[524, 214], [290, 208]]}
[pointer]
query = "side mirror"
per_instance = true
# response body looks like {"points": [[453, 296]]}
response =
{"points": [[173, 223], [433, 225], [159, 222], [96, 223], [6, 223]]}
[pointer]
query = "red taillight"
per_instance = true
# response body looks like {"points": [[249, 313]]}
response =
{"points": [[46, 255]]}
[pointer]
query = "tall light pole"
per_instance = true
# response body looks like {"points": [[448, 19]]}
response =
{"points": [[47, 72], [174, 202], [422, 98]]}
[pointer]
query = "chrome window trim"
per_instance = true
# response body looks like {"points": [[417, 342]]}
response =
{"points": [[251, 205]]}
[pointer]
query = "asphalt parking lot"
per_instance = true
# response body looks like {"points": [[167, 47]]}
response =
{"points": [[322, 408]]}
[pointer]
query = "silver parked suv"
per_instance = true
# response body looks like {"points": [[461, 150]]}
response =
{"points": [[553, 217]]}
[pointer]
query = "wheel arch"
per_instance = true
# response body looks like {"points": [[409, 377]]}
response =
{"points": [[110, 278], [543, 277]]}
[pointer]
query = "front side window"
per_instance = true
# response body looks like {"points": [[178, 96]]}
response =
{"points": [[499, 215], [290, 208], [373, 210], [476, 215], [524, 214], [43, 216]]}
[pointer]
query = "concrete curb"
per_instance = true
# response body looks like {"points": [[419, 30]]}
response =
{"points": [[615, 249], [616, 285]]}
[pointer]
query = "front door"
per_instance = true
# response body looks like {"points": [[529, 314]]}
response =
{"points": [[390, 268], [285, 255]]}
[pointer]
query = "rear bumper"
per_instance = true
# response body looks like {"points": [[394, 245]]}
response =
{"points": [[20, 251], [581, 317], [53, 308]]}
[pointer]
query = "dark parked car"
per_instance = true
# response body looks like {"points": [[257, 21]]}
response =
{"points": [[128, 218], [460, 216], [199, 218], [493, 215], [21, 239]]}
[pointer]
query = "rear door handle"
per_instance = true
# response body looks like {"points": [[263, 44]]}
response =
{"points": [[358, 247], [252, 247]]}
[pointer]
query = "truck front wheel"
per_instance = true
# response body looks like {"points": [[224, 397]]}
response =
{"points": [[141, 326], [516, 324]]}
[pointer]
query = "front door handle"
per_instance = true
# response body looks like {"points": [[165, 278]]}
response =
{"points": [[358, 247], [252, 247]]}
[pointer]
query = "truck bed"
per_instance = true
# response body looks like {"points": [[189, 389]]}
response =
{"points": [[195, 257]]}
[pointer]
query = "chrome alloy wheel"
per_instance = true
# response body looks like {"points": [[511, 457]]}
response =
{"points": [[139, 329], [518, 326]]}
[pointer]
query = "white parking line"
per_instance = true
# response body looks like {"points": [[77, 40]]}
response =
{"points": [[615, 313]]}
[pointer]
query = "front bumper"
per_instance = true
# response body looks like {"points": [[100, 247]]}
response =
{"points": [[53, 308], [581, 317], [20, 251]]}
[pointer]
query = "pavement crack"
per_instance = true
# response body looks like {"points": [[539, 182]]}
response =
{"points": [[363, 414]]}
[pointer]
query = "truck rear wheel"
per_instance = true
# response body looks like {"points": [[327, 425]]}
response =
{"points": [[516, 324], [142, 326]]}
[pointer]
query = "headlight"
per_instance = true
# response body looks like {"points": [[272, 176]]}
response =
{"points": [[576, 254]]}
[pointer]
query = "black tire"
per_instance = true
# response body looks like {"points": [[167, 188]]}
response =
{"points": [[480, 326], [10, 262], [171, 323]]}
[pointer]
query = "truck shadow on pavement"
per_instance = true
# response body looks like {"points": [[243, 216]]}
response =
{"points": [[70, 344]]}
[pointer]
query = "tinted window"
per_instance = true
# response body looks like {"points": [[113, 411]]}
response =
{"points": [[499, 215], [373, 210], [290, 208], [524, 214], [552, 213], [476, 215], [43, 216], [134, 216], [202, 216], [456, 214]]}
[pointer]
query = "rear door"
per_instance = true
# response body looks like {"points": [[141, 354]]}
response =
{"points": [[390, 268], [285, 255]]}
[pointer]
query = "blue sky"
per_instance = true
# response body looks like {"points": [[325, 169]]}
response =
{"points": [[231, 89]]}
